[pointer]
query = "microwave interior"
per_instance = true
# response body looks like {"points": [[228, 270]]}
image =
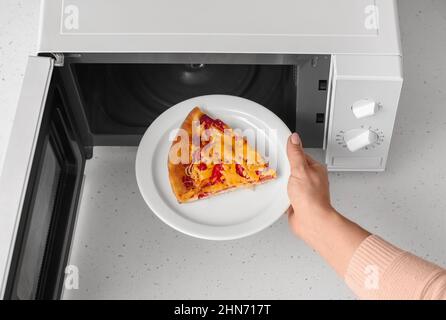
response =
{"points": [[97, 109]]}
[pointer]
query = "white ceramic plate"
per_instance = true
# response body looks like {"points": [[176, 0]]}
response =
{"points": [[230, 215]]}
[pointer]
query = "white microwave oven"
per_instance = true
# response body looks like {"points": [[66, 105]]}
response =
{"points": [[105, 69]]}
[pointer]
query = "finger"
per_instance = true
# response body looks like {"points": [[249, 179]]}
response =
{"points": [[310, 160], [296, 155], [290, 216]]}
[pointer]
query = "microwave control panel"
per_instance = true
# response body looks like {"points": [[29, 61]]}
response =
{"points": [[363, 105]]}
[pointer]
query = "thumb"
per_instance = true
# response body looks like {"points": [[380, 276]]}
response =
{"points": [[296, 155]]}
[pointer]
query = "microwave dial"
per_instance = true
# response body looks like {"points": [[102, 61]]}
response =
{"points": [[360, 138], [365, 108]]}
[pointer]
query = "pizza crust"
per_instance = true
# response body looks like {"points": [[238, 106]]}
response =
{"points": [[176, 171]]}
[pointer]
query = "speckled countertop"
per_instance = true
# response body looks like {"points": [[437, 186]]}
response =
{"points": [[123, 251]]}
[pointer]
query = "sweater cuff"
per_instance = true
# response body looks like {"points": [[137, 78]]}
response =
{"points": [[368, 264]]}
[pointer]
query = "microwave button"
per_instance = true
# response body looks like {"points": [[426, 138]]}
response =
{"points": [[357, 139], [365, 108]]}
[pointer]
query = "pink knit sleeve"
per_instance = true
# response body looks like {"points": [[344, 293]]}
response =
{"points": [[379, 270]]}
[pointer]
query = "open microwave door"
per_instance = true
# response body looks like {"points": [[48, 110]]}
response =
{"points": [[39, 188]]}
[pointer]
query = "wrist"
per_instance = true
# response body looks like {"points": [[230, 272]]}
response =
{"points": [[317, 223], [334, 237]]}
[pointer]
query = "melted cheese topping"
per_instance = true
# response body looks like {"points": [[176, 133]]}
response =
{"points": [[242, 166]]}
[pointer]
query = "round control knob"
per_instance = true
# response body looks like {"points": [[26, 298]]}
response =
{"points": [[357, 139], [365, 108]]}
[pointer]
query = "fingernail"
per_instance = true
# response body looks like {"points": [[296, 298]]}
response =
{"points": [[295, 138]]}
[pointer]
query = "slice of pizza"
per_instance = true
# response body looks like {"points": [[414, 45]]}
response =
{"points": [[208, 157]]}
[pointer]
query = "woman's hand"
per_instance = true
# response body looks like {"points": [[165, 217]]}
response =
{"points": [[311, 216], [308, 189], [336, 238]]}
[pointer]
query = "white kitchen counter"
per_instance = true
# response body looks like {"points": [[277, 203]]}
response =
{"points": [[129, 253]]}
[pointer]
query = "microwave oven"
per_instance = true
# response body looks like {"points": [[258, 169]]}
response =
{"points": [[105, 69]]}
